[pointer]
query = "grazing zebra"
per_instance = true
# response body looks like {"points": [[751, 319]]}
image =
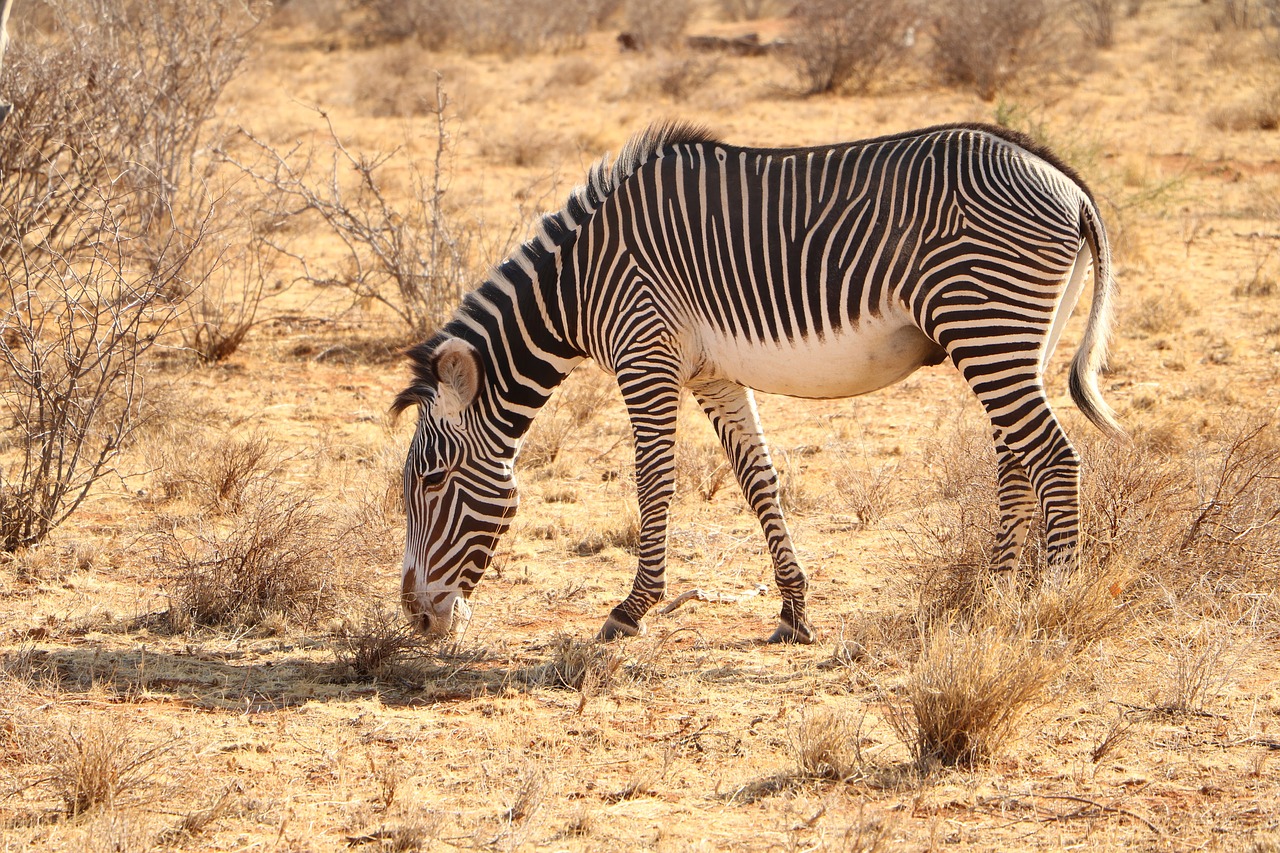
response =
{"points": [[813, 272]]}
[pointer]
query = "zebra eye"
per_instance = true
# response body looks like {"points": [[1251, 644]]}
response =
{"points": [[433, 478]]}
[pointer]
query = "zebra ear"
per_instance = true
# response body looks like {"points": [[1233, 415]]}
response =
{"points": [[457, 369]]}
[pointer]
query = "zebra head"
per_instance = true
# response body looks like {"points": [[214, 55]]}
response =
{"points": [[459, 489]]}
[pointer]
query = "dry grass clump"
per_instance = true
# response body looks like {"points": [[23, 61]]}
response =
{"points": [[274, 557], [98, 765], [870, 494], [1198, 665], [843, 44], [701, 469], [1259, 112], [964, 697], [827, 744], [572, 73], [390, 83], [624, 536], [1159, 314], [588, 667], [571, 408], [677, 77]]}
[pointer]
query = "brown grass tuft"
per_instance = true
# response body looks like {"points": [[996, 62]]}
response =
{"points": [[964, 697], [97, 765], [588, 667], [827, 744]]}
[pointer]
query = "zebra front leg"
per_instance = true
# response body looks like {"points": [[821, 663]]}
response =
{"points": [[732, 410], [1017, 503], [652, 400]]}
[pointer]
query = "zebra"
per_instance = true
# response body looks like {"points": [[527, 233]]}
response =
{"points": [[820, 272]]}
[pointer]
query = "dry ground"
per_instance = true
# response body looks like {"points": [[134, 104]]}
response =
{"points": [[1157, 729]]}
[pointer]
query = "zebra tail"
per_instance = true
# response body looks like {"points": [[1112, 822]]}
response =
{"points": [[1091, 357]]}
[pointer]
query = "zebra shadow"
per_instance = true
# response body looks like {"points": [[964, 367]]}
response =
{"points": [[220, 671]]}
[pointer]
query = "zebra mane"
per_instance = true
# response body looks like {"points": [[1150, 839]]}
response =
{"points": [[552, 230], [639, 148]]}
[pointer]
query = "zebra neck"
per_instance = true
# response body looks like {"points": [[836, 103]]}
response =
{"points": [[525, 356]]}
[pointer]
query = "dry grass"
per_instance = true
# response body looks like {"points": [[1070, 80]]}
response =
{"points": [[379, 645], [963, 699], [588, 667], [100, 764], [214, 471], [827, 744]]}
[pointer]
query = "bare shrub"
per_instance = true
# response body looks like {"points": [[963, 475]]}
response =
{"points": [[966, 694], [701, 469], [571, 408], [870, 494], [216, 471], [1096, 20], [988, 43], [101, 230], [414, 261], [838, 44], [121, 96], [220, 316], [657, 23], [1198, 665], [274, 557], [380, 644], [75, 330]]}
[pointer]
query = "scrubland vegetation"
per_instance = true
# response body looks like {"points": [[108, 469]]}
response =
{"points": [[220, 223]]}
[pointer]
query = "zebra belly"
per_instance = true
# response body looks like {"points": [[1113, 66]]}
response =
{"points": [[876, 353]]}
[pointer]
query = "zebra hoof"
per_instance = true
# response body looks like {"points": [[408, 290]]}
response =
{"points": [[801, 634], [616, 628]]}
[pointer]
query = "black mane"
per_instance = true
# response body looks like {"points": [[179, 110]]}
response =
{"points": [[554, 229]]}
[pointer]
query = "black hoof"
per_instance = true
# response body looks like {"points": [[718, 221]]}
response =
{"points": [[617, 627], [801, 634]]}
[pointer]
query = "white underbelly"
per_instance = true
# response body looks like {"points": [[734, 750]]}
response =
{"points": [[876, 353]]}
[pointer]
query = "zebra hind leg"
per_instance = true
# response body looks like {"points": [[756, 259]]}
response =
{"points": [[652, 397], [1017, 503], [1035, 442], [732, 411]]}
